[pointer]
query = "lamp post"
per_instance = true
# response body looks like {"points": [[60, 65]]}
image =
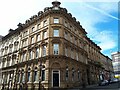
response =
{"points": [[40, 65]]}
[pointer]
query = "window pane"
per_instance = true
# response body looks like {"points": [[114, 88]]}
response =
{"points": [[67, 73], [44, 50], [45, 23], [24, 57], [56, 49], [72, 73], [30, 55], [33, 29], [56, 20], [38, 26], [23, 77], [56, 33], [77, 56], [43, 75], [66, 51], [44, 34], [32, 40], [28, 76], [65, 35], [35, 75], [37, 52], [38, 37]]}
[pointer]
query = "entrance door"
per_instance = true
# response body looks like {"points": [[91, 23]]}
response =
{"points": [[55, 78]]}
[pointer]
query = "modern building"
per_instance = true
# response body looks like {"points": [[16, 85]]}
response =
{"points": [[50, 50], [116, 63]]}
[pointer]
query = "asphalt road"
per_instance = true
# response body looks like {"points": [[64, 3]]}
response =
{"points": [[114, 86]]}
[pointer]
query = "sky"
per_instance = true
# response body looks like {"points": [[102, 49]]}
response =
{"points": [[98, 17]]}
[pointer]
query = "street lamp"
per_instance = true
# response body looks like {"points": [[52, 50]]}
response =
{"points": [[40, 65]]}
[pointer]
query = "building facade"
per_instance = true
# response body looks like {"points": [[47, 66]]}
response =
{"points": [[116, 64], [51, 50]]}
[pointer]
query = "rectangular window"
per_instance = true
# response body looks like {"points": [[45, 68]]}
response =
{"points": [[44, 50], [44, 34], [65, 35], [56, 32], [66, 52], [56, 49], [76, 56], [37, 52], [56, 20]]}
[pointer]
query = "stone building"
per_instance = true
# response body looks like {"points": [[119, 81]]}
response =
{"points": [[51, 50], [107, 72]]}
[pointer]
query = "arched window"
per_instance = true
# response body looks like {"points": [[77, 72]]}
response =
{"points": [[18, 76], [78, 74], [28, 74], [38, 37], [67, 73], [43, 73], [44, 34], [23, 76], [38, 26], [73, 74], [35, 74], [33, 29], [31, 55]]}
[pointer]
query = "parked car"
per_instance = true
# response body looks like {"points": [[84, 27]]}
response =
{"points": [[103, 83], [114, 80]]}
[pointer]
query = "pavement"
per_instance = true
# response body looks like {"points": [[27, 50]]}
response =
{"points": [[85, 88], [113, 86]]}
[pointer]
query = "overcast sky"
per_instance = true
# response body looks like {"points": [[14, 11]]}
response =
{"points": [[98, 17]]}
